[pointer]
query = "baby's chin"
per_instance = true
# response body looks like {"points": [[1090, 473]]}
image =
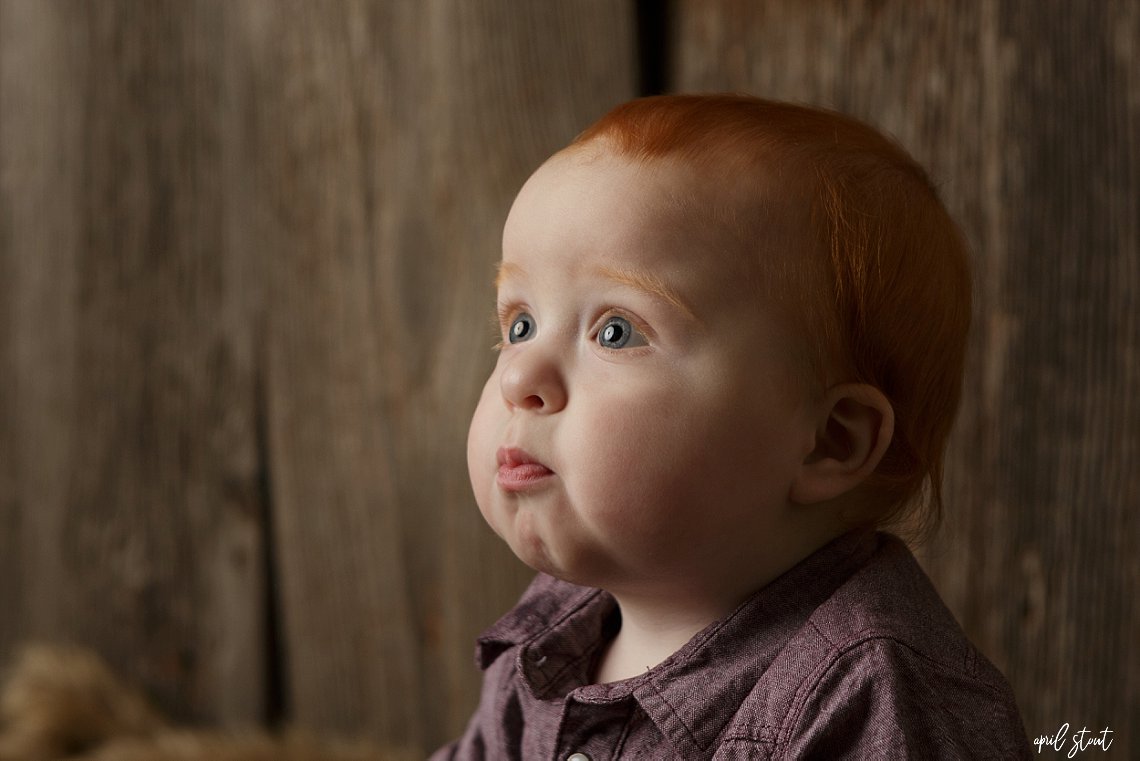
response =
{"points": [[525, 538], [534, 553], [574, 567], [545, 545]]}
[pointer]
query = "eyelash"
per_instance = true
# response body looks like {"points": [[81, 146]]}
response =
{"points": [[501, 317], [506, 313]]}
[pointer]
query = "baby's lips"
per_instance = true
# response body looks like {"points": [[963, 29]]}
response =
{"points": [[515, 457], [519, 471]]}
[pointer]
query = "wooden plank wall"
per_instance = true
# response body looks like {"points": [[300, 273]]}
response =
{"points": [[245, 253], [246, 287]]}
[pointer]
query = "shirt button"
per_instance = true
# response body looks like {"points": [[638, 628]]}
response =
{"points": [[577, 757]]}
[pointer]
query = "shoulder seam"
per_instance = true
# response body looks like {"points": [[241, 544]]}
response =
{"points": [[810, 682], [871, 635]]}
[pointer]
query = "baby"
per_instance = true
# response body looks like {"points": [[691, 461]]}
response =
{"points": [[733, 335]]}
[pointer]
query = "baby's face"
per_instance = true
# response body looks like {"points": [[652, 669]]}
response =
{"points": [[643, 423]]}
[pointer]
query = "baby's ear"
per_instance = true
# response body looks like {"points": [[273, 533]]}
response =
{"points": [[856, 425]]}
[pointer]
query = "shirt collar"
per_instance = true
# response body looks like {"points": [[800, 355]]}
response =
{"points": [[544, 606], [558, 628]]}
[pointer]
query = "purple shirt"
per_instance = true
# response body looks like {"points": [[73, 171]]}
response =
{"points": [[850, 654]]}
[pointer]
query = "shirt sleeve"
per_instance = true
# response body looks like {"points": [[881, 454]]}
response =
{"points": [[882, 699]]}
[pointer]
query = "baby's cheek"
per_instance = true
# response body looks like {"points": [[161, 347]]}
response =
{"points": [[631, 453], [481, 445]]}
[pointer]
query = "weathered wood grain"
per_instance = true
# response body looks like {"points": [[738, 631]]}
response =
{"points": [[1027, 114], [132, 487], [247, 252]]}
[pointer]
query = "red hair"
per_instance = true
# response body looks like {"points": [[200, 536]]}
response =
{"points": [[893, 306]]}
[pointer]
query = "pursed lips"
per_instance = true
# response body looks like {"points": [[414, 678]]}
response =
{"points": [[519, 471]]}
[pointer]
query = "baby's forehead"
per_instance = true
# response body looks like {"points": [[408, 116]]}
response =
{"points": [[718, 226], [702, 192], [758, 211]]}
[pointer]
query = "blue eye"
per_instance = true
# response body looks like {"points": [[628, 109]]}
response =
{"points": [[522, 328], [617, 333]]}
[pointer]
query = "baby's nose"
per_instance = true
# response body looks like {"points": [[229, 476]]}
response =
{"points": [[533, 381]]}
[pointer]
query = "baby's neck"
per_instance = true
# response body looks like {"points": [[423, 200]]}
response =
{"points": [[659, 619], [650, 633], [659, 616]]}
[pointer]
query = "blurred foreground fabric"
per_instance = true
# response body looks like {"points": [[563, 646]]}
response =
{"points": [[65, 703]]}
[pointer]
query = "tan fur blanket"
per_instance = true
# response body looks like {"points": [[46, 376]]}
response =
{"points": [[65, 703]]}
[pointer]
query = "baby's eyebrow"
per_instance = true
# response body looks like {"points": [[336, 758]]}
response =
{"points": [[645, 282], [648, 283], [506, 270]]}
